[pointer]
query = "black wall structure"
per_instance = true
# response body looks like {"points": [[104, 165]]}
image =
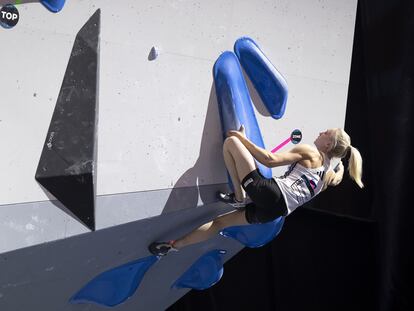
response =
{"points": [[67, 165], [349, 249]]}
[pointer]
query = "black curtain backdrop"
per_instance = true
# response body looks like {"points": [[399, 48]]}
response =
{"points": [[349, 249]]}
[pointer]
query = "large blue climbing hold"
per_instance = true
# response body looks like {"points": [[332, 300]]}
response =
{"points": [[235, 104], [53, 5], [204, 273], [255, 235], [269, 83], [114, 286]]}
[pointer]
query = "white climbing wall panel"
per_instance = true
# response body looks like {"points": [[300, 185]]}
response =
{"points": [[159, 127]]}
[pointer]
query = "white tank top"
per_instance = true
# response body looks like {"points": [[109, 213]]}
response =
{"points": [[300, 184]]}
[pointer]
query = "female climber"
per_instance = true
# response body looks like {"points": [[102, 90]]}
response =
{"points": [[309, 173]]}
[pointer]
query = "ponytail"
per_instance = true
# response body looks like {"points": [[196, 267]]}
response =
{"points": [[341, 148], [355, 166]]}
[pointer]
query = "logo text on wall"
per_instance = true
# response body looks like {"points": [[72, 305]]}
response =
{"points": [[9, 16]]}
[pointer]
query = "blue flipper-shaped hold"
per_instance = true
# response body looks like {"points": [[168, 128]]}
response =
{"points": [[116, 285], [255, 235], [53, 5], [235, 104], [204, 273], [269, 83]]}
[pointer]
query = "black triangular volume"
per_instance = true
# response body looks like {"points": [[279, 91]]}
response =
{"points": [[67, 166]]}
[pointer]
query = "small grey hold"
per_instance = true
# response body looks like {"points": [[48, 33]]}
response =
{"points": [[153, 54]]}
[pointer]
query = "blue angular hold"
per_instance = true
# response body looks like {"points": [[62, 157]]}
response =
{"points": [[53, 5], [204, 273], [255, 235], [235, 104], [114, 286], [269, 83]]}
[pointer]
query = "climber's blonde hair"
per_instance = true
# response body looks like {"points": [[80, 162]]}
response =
{"points": [[341, 146]]}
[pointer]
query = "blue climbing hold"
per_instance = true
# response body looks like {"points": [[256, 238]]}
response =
{"points": [[53, 5], [235, 104], [114, 286], [255, 235], [204, 273], [269, 83]]}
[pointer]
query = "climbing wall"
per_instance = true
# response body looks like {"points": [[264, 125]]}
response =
{"points": [[158, 131]]}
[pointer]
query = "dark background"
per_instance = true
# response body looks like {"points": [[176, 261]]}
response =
{"points": [[349, 249]]}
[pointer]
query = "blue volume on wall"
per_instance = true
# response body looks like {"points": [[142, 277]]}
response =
{"points": [[53, 5], [235, 104], [203, 273], [255, 235], [268, 82], [116, 285]]}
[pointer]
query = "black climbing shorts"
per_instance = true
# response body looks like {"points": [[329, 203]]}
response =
{"points": [[268, 202]]}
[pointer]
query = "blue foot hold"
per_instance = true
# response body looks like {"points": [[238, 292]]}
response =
{"points": [[114, 286], [204, 273], [255, 235]]}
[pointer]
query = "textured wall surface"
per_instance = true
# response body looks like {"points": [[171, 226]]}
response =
{"points": [[159, 136]]}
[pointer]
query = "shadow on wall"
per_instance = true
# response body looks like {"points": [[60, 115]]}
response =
{"points": [[187, 190], [189, 187], [55, 271], [257, 101]]}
